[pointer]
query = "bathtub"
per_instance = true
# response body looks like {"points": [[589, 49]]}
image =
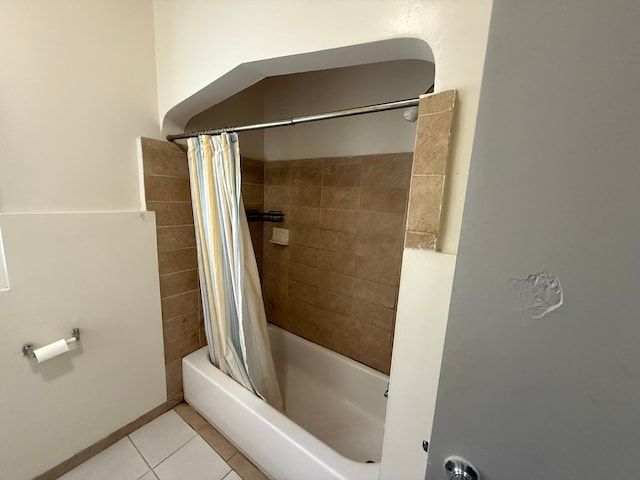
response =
{"points": [[334, 407]]}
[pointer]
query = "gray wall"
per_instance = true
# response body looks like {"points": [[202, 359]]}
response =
{"points": [[553, 187]]}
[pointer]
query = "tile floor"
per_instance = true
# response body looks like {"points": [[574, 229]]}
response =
{"points": [[177, 445]]}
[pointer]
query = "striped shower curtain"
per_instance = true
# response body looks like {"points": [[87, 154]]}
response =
{"points": [[234, 317]]}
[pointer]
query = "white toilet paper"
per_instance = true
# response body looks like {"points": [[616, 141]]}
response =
{"points": [[52, 350]]}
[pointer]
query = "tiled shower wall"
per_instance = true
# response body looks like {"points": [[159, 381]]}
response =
{"points": [[336, 284], [253, 198], [167, 192]]}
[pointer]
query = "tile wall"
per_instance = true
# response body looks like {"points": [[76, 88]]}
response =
{"points": [[336, 284], [253, 198], [433, 132], [167, 192]]}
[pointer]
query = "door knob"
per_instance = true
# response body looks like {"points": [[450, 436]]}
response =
{"points": [[459, 469]]}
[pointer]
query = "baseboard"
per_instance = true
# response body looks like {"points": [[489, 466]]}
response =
{"points": [[84, 455]]}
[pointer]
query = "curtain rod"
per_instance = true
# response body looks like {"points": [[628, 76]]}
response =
{"points": [[380, 107]]}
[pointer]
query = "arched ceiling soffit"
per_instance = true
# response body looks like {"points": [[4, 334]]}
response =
{"points": [[246, 74]]}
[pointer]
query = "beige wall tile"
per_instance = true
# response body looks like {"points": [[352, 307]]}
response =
{"points": [[177, 260], [342, 175], [162, 145], [256, 232], [305, 216], [306, 174], [280, 175], [180, 305], [304, 328], [274, 293], [381, 199], [339, 220], [181, 346], [179, 282], [339, 341], [275, 258], [175, 237], [174, 377], [320, 298], [175, 327], [160, 162], [342, 256], [437, 102], [378, 358], [377, 270], [252, 173], [392, 170], [370, 335], [170, 189], [344, 198], [309, 237], [163, 158], [252, 194], [381, 247], [322, 259], [425, 201], [305, 196], [420, 241], [380, 223], [323, 279], [253, 206], [202, 335], [253, 162], [335, 241], [373, 314], [326, 320], [171, 213], [373, 292], [432, 143], [276, 195]]}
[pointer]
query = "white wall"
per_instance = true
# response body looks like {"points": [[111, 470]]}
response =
{"points": [[92, 271], [77, 86], [411, 401], [287, 96]]}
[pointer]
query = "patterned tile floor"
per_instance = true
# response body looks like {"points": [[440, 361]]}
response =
{"points": [[177, 445]]}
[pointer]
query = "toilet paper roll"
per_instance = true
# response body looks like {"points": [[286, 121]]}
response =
{"points": [[52, 350]]}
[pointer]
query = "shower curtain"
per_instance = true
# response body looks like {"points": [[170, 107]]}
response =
{"points": [[234, 317]]}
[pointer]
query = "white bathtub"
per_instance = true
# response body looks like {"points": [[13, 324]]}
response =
{"points": [[335, 410]]}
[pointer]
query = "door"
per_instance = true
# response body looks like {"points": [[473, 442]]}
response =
{"points": [[534, 386]]}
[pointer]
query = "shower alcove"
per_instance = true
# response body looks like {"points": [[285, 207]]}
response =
{"points": [[344, 188]]}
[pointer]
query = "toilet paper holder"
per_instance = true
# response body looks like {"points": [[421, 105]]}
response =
{"points": [[27, 348]]}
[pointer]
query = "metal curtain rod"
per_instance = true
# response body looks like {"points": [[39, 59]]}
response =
{"points": [[380, 107]]}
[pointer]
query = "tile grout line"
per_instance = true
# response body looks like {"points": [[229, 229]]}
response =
{"points": [[177, 449], [142, 456]]}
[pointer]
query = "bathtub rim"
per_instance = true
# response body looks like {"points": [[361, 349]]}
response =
{"points": [[313, 450]]}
